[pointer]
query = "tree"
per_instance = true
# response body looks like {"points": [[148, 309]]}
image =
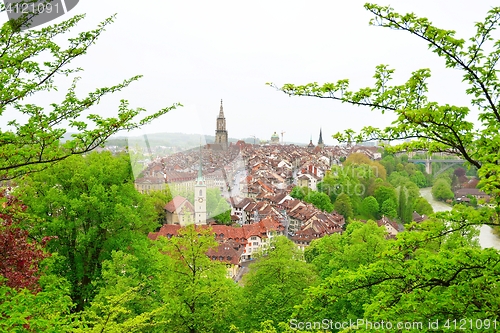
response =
{"points": [[222, 213], [319, 200], [407, 278], [419, 179], [441, 190], [423, 207], [334, 256], [370, 207], [92, 207], [384, 193], [130, 297], [20, 258], [436, 127], [343, 206], [405, 205], [30, 63], [276, 283], [199, 295], [389, 208], [159, 199], [299, 192]]}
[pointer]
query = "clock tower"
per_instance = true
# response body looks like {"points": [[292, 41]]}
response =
{"points": [[200, 197]]}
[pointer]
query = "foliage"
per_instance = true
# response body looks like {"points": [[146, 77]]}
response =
{"points": [[441, 190], [384, 193], [20, 258], [360, 158], [223, 212], [199, 295], [436, 127], [370, 207], [143, 265], [334, 256], [90, 204], [419, 178], [218, 207], [275, 284], [112, 315], [30, 63], [405, 205], [159, 199], [423, 207], [44, 311], [406, 279], [299, 192], [389, 208], [343, 206], [319, 200]]}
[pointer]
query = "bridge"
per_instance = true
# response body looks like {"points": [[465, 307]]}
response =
{"points": [[428, 166]]}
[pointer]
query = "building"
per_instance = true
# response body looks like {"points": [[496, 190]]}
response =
{"points": [[179, 211], [275, 139], [310, 146], [221, 137], [320, 140]]}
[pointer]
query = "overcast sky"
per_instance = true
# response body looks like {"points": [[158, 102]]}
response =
{"points": [[199, 52]]}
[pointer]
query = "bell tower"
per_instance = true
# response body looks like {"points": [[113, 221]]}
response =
{"points": [[221, 132]]}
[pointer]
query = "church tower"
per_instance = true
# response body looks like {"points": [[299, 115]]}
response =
{"points": [[320, 141], [200, 197], [221, 132]]}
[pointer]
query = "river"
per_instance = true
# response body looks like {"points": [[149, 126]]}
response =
{"points": [[486, 236]]}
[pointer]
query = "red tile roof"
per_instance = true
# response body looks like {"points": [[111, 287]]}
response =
{"points": [[176, 202]]}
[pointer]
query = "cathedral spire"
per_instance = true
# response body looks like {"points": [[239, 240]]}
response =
{"points": [[221, 112], [320, 141]]}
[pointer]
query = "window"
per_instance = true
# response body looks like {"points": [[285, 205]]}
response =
{"points": [[255, 243], [253, 238]]}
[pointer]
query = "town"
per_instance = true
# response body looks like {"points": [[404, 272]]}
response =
{"points": [[256, 182]]}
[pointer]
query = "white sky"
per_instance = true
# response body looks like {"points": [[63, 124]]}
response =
{"points": [[199, 52]]}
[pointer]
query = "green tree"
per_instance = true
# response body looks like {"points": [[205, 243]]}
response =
{"points": [[159, 199], [223, 212], [200, 297], [30, 63], [423, 207], [370, 207], [405, 205], [441, 190], [384, 193], [299, 192], [319, 200], [419, 179], [45, 311], [406, 279], [389, 208], [335, 255], [343, 206], [90, 204], [275, 284], [435, 127]]}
